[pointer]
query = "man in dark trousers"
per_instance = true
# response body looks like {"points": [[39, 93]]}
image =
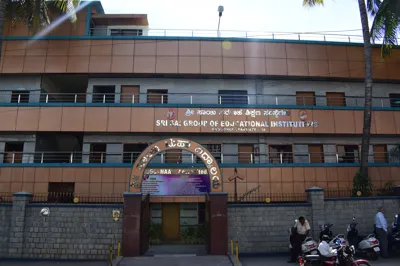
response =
{"points": [[301, 231], [382, 231]]}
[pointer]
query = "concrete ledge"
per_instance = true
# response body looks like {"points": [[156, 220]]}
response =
{"points": [[314, 189], [232, 258], [116, 261], [133, 194], [22, 194], [363, 198]]}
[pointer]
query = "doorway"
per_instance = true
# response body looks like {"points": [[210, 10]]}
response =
{"points": [[171, 222]]}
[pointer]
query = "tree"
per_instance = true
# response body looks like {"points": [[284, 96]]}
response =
{"points": [[34, 13], [383, 27]]}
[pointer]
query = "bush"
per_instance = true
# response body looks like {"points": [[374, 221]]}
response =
{"points": [[363, 185]]}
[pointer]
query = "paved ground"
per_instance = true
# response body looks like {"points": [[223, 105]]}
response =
{"points": [[170, 260], [282, 261]]}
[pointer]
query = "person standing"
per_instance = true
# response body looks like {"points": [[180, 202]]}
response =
{"points": [[382, 231], [302, 228]]}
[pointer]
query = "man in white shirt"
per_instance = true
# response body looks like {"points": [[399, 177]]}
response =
{"points": [[382, 231], [303, 229], [324, 249]]}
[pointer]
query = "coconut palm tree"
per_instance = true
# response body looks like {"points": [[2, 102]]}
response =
{"points": [[34, 13], [385, 27]]}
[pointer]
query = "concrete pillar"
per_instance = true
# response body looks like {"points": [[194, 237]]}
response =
{"points": [[316, 198], [132, 221], [85, 152], [218, 222], [29, 150], [114, 153], [17, 225]]}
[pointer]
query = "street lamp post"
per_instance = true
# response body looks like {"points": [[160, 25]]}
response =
{"points": [[220, 10]]}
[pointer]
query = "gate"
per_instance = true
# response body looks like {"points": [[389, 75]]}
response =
{"points": [[145, 225], [207, 222]]}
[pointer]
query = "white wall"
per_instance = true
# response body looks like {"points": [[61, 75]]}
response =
{"points": [[20, 82]]}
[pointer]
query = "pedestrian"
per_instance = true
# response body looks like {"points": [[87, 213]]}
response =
{"points": [[382, 231], [302, 230]]}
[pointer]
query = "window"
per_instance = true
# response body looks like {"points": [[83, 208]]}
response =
{"points": [[13, 152], [132, 151], [173, 156], [126, 32], [157, 96], [246, 153], [348, 154], [214, 149], [61, 192], [380, 154], [98, 153], [394, 99], [130, 94], [305, 98], [103, 94], [316, 153], [335, 99], [232, 97], [20, 97], [280, 154]]}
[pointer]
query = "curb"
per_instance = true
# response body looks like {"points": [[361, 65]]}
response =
{"points": [[232, 258], [116, 261]]}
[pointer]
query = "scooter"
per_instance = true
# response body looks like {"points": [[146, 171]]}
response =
{"points": [[367, 246], [394, 238], [344, 257], [334, 242]]}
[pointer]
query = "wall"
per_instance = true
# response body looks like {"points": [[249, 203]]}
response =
{"points": [[30, 83], [105, 180], [196, 56], [5, 213], [144, 120], [262, 228], [71, 232]]}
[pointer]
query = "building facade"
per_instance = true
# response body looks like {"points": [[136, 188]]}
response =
{"points": [[80, 104]]}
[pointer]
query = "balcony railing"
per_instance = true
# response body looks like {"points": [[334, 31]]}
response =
{"points": [[353, 36], [194, 98], [187, 158]]}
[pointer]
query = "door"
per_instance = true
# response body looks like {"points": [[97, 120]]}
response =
{"points": [[380, 154], [305, 98], [171, 221], [316, 153], [335, 99], [130, 94], [246, 153]]}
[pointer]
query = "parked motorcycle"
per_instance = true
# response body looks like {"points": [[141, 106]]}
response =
{"points": [[325, 230], [367, 246], [345, 257], [334, 242], [394, 238]]}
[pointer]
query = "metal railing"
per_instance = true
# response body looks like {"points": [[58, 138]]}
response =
{"points": [[196, 98], [351, 36], [347, 193], [257, 197], [172, 157], [77, 198]]}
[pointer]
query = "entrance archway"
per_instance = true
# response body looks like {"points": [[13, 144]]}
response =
{"points": [[150, 152]]}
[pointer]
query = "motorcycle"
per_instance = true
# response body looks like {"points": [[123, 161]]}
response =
{"points": [[344, 257], [394, 238], [367, 246], [325, 230], [334, 242]]}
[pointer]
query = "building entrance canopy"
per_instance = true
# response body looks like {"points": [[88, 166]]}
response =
{"points": [[138, 170]]}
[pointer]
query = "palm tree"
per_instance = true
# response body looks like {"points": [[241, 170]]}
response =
{"points": [[34, 13], [384, 27]]}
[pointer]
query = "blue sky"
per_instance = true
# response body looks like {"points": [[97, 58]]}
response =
{"points": [[243, 15]]}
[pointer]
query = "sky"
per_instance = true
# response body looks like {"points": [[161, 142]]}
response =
{"points": [[243, 15]]}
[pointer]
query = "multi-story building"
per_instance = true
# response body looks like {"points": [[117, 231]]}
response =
{"points": [[79, 104]]}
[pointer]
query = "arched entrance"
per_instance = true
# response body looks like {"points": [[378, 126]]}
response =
{"points": [[148, 154], [137, 210]]}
